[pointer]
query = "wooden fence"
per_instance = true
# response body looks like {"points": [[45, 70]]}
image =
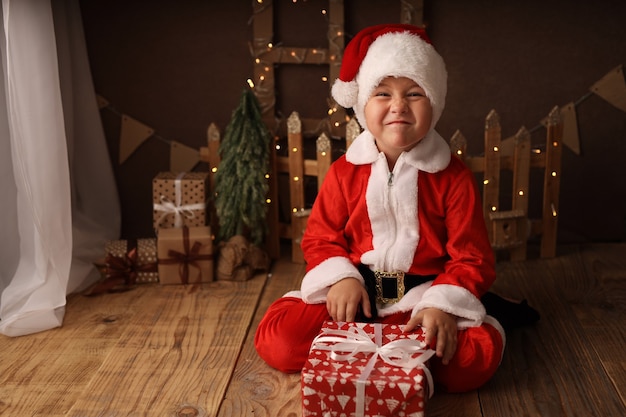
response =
{"points": [[508, 229]]}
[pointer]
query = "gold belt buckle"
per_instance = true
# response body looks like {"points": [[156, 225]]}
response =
{"points": [[398, 276]]}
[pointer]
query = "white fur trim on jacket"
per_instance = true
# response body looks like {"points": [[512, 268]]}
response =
{"points": [[392, 197], [392, 211], [454, 300], [431, 154], [317, 281]]}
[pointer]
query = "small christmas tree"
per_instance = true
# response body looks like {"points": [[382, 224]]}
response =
{"points": [[240, 182]]}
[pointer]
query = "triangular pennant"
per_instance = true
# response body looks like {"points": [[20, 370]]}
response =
{"points": [[133, 134], [102, 102], [183, 158], [612, 88], [571, 138]]}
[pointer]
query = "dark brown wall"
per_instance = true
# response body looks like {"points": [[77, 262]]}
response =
{"points": [[178, 66]]}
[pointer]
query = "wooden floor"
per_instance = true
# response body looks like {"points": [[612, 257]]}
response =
{"points": [[188, 351]]}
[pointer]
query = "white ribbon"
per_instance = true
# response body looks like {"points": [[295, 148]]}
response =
{"points": [[345, 344], [179, 210]]}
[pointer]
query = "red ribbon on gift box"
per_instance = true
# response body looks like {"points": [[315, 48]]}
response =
{"points": [[121, 271], [190, 256]]}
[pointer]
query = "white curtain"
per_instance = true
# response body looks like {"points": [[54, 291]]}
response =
{"points": [[58, 200]]}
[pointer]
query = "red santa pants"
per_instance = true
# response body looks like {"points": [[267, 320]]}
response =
{"points": [[285, 334]]}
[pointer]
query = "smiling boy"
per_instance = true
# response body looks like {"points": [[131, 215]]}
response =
{"points": [[396, 233]]}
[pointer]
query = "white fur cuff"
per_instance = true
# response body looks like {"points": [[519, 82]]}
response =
{"points": [[317, 281], [454, 300]]}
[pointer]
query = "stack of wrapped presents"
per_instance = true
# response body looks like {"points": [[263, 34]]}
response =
{"points": [[181, 252]]}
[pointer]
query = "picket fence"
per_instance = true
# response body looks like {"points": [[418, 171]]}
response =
{"points": [[509, 229]]}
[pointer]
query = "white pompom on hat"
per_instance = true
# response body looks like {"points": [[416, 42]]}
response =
{"points": [[389, 50]]}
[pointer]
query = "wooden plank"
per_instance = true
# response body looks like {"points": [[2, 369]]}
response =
{"points": [[43, 374], [551, 183], [177, 353], [521, 189], [458, 146], [412, 12], [353, 130], [272, 241], [570, 363], [296, 183], [323, 152], [446, 405], [491, 181], [548, 369], [263, 34], [336, 42], [601, 310], [213, 159], [213, 154], [256, 389]]}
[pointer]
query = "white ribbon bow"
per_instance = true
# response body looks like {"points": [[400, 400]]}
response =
{"points": [[179, 210], [347, 343]]}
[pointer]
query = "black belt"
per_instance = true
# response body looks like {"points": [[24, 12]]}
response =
{"points": [[389, 288]]}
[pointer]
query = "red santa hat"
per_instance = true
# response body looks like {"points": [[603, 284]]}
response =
{"points": [[396, 50]]}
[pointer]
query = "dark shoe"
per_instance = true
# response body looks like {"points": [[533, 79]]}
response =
{"points": [[510, 314]]}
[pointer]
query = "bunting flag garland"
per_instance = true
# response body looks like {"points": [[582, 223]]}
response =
{"points": [[133, 134], [612, 88], [182, 157]]}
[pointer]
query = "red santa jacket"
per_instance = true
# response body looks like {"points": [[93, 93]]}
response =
{"points": [[423, 218]]}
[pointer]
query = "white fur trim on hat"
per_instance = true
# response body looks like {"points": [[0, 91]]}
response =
{"points": [[391, 53], [402, 54]]}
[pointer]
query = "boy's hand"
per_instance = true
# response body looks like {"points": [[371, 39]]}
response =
{"points": [[345, 297], [439, 326]]}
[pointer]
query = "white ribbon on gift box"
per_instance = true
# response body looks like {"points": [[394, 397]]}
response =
{"points": [[399, 353], [167, 206]]}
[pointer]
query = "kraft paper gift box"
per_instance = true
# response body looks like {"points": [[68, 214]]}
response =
{"points": [[140, 252], [179, 199], [126, 263], [185, 255], [366, 370]]}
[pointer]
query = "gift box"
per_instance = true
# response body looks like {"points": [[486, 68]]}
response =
{"points": [[126, 263], [179, 199], [366, 369], [137, 256], [185, 255]]}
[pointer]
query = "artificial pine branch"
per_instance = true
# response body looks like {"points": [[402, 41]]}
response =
{"points": [[240, 183]]}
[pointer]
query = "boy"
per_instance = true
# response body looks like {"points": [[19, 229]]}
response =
{"points": [[396, 233]]}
